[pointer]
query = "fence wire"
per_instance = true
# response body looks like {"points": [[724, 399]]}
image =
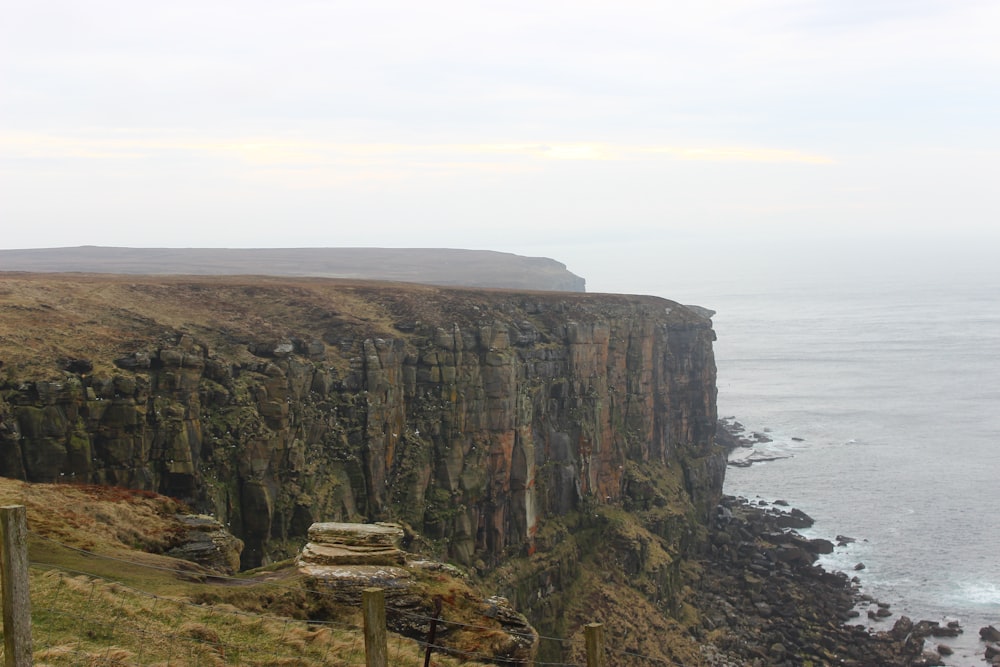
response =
{"points": [[112, 623]]}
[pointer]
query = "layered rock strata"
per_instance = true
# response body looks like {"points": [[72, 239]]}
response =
{"points": [[332, 544], [343, 559], [207, 542], [473, 417]]}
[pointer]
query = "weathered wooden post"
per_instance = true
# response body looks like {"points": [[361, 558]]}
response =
{"points": [[373, 610], [16, 598], [594, 633], [432, 635]]}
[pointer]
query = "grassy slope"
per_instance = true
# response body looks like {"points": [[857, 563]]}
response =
{"points": [[96, 599]]}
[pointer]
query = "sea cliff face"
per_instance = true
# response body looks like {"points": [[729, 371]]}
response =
{"points": [[472, 416], [559, 446]]}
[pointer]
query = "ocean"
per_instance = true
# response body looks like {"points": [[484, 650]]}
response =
{"points": [[881, 394]]}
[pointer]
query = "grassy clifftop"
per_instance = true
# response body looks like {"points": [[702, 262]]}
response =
{"points": [[434, 266], [52, 318]]}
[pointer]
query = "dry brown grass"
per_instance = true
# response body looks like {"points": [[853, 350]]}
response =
{"points": [[78, 620], [96, 517], [119, 606], [47, 318]]}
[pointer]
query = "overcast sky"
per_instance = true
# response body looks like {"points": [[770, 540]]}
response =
{"points": [[597, 133]]}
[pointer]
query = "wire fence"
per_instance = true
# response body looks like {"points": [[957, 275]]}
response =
{"points": [[110, 623], [82, 615]]}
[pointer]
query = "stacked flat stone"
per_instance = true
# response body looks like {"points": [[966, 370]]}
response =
{"points": [[343, 559], [332, 544]]}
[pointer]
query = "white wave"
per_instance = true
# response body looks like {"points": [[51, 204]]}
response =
{"points": [[980, 593]]}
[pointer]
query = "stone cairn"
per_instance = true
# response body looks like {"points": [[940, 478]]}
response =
{"points": [[332, 544], [342, 559], [345, 558]]}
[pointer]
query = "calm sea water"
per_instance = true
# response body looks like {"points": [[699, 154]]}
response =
{"points": [[893, 387]]}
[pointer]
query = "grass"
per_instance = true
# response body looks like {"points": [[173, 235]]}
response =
{"points": [[97, 517], [79, 619], [97, 600], [49, 318], [46, 319], [82, 620]]}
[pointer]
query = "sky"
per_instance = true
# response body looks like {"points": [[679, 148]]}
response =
{"points": [[625, 139]]}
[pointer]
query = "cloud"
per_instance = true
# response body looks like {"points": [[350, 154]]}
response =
{"points": [[741, 154], [273, 152], [458, 123]]}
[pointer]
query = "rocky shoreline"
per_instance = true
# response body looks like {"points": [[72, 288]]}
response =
{"points": [[764, 601], [732, 435]]}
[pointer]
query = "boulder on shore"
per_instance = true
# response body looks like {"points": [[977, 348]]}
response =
{"points": [[795, 519]]}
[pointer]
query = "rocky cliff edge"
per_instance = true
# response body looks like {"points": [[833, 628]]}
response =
{"points": [[498, 428]]}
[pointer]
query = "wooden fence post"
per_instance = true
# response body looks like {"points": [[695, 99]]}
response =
{"points": [[16, 598], [373, 610], [594, 633], [432, 635]]}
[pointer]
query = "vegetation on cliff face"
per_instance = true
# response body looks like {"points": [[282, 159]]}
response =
{"points": [[624, 565], [561, 446]]}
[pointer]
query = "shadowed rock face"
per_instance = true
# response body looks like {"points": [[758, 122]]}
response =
{"points": [[470, 416], [208, 543]]}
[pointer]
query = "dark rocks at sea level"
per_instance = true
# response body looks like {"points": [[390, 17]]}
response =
{"points": [[764, 601]]}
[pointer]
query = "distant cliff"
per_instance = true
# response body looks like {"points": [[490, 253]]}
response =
{"points": [[515, 433], [432, 266]]}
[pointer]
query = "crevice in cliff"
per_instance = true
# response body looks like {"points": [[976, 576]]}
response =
{"points": [[472, 416]]}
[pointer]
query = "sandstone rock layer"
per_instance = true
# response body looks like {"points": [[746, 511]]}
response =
{"points": [[332, 544], [471, 416]]}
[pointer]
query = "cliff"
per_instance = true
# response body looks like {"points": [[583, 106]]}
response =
{"points": [[520, 434], [433, 266]]}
